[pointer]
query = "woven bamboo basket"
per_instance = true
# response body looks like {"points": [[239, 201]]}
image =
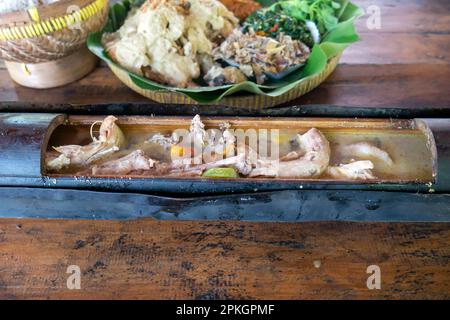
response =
{"points": [[45, 46], [249, 101]]}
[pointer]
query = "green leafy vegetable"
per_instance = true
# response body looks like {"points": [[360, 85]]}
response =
{"points": [[271, 24], [325, 13]]}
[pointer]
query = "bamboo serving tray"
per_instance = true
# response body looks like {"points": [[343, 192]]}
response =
{"points": [[249, 101]]}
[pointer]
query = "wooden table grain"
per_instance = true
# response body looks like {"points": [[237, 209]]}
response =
{"points": [[404, 64]]}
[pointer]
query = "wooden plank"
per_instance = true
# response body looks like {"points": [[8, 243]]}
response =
{"points": [[399, 48], [407, 16], [417, 86], [185, 260], [421, 85]]}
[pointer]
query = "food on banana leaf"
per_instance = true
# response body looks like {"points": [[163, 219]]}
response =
{"points": [[168, 45], [258, 56], [221, 152], [189, 43]]}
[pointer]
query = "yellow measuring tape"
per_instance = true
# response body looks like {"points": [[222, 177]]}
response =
{"points": [[38, 28]]}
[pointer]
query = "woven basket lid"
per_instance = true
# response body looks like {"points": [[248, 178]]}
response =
{"points": [[50, 32], [44, 12]]}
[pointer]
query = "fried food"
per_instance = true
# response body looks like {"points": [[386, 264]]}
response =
{"points": [[241, 8], [162, 40]]}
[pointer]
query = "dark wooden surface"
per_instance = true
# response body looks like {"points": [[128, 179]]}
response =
{"points": [[404, 64], [173, 260]]}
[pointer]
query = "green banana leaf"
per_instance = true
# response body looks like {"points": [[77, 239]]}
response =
{"points": [[333, 43]]}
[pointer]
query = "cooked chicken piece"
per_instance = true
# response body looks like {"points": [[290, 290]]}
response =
{"points": [[110, 140], [313, 158], [243, 162], [58, 163], [132, 162], [358, 170], [364, 151], [193, 144], [239, 162]]}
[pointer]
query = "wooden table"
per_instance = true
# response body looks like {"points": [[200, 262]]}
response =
{"points": [[405, 64]]}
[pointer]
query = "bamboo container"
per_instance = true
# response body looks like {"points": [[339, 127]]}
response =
{"points": [[421, 164]]}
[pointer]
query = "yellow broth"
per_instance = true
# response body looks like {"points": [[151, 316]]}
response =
{"points": [[408, 148]]}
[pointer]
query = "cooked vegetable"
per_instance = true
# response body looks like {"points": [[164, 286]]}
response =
{"points": [[176, 151], [221, 173], [270, 23]]}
